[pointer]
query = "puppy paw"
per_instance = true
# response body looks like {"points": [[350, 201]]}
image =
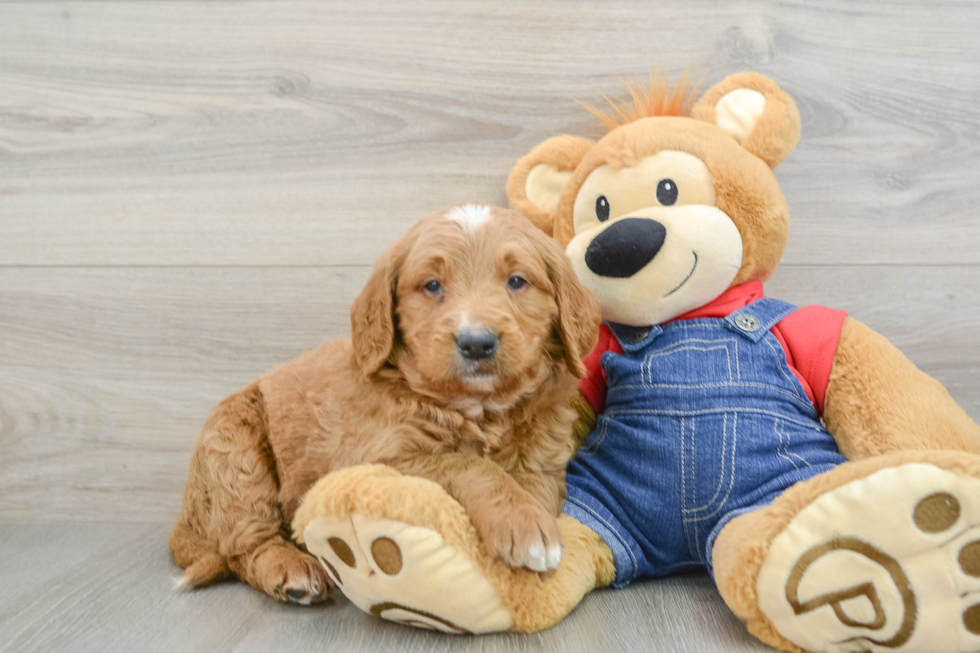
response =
{"points": [[291, 576], [524, 536]]}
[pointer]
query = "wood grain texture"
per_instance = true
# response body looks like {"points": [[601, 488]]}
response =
{"points": [[193, 192], [107, 374], [84, 588], [298, 132]]}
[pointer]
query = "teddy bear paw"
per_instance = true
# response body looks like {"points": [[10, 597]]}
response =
{"points": [[889, 562], [404, 573]]}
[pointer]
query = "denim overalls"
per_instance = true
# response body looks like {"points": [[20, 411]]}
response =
{"points": [[704, 421]]}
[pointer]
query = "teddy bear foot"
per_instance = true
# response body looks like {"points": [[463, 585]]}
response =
{"points": [[390, 569], [887, 562], [399, 548]]}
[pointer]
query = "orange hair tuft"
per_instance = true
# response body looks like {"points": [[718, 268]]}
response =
{"points": [[656, 100]]}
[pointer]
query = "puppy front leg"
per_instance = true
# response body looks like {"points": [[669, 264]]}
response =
{"points": [[512, 523], [548, 488]]}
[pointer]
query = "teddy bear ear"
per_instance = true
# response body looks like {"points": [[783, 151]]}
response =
{"points": [[755, 112], [537, 181]]}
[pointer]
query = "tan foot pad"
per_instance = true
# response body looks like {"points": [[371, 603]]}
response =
{"points": [[890, 562], [406, 574]]}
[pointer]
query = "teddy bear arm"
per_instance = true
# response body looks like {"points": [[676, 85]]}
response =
{"points": [[878, 401]]}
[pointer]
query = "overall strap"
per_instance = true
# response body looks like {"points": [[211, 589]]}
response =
{"points": [[754, 321]]}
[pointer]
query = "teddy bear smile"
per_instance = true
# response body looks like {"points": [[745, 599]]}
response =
{"points": [[687, 278]]}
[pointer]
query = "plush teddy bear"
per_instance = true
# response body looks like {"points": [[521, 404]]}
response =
{"points": [[830, 487]]}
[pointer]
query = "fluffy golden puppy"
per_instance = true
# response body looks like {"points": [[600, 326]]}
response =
{"points": [[466, 344]]}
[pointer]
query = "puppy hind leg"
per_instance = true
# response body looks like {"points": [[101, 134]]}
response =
{"points": [[231, 509], [202, 563], [260, 555], [278, 568]]}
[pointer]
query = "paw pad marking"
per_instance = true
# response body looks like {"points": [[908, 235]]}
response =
{"points": [[412, 617], [331, 571], [969, 559], [971, 619], [888, 562], [407, 574], [343, 551], [936, 513], [865, 590], [387, 555]]}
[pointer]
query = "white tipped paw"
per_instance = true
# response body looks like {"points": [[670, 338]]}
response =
{"points": [[406, 574], [540, 559], [527, 536], [890, 562]]}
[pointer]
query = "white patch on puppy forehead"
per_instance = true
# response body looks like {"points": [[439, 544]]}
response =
{"points": [[471, 216]]}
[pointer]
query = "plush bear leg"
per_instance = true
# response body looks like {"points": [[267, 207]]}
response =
{"points": [[881, 554], [401, 548]]}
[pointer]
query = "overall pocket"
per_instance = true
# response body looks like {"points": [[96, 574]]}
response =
{"points": [[708, 446]]}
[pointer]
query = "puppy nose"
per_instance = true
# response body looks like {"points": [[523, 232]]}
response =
{"points": [[625, 247], [477, 344]]}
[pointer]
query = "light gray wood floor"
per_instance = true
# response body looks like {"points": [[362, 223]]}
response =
{"points": [[106, 586], [192, 192]]}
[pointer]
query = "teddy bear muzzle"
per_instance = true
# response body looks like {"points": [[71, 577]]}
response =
{"points": [[656, 263]]}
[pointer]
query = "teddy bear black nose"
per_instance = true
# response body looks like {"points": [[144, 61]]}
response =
{"points": [[625, 247]]}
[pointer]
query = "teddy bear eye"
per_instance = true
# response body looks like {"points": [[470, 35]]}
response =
{"points": [[666, 192], [602, 208]]}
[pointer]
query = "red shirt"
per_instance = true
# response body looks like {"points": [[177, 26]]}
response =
{"points": [[809, 337]]}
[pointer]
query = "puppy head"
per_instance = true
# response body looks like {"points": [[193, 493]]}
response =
{"points": [[474, 301]]}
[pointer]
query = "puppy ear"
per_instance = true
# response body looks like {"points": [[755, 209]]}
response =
{"points": [[538, 179], [755, 112], [578, 311], [372, 316]]}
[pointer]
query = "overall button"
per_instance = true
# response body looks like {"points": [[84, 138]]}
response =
{"points": [[747, 322]]}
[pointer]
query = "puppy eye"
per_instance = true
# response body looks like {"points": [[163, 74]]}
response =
{"points": [[433, 287], [666, 192], [602, 207], [516, 282]]}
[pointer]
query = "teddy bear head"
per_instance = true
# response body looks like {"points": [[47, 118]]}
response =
{"points": [[676, 204]]}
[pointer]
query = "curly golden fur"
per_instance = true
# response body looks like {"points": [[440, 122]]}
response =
{"points": [[495, 432]]}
